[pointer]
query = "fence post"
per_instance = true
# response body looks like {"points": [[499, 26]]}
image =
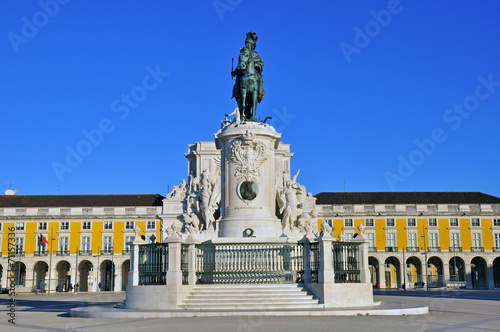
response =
{"points": [[326, 273], [192, 260], [306, 278], [174, 272], [364, 268], [133, 274]]}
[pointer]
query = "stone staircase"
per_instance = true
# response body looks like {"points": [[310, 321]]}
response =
{"points": [[249, 297]]}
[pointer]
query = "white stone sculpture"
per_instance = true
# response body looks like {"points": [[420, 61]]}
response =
{"points": [[191, 221], [341, 237], [307, 218], [209, 196], [179, 192], [288, 204], [326, 229], [236, 112], [248, 154], [361, 228]]}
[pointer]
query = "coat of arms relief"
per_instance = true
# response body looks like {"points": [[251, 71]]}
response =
{"points": [[248, 154]]}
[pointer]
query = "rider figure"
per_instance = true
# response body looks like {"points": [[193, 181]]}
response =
{"points": [[250, 44]]}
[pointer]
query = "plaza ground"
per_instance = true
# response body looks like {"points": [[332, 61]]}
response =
{"points": [[463, 310]]}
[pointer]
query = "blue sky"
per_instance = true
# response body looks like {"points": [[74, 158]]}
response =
{"points": [[382, 95]]}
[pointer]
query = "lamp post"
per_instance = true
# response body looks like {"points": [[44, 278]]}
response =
{"points": [[426, 265], [50, 259], [76, 273]]}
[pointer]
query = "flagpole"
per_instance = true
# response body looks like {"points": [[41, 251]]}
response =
{"points": [[76, 274]]}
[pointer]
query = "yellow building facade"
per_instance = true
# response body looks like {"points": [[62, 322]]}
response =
{"points": [[422, 239], [60, 242]]}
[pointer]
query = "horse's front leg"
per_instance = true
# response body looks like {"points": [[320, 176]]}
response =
{"points": [[243, 104], [255, 98]]}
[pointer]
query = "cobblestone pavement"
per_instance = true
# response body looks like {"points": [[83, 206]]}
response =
{"points": [[464, 310]]}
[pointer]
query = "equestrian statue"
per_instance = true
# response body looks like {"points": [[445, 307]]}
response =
{"points": [[247, 89]]}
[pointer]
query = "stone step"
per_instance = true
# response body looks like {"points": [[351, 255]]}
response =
{"points": [[251, 297]]}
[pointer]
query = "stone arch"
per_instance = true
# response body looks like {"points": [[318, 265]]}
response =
{"points": [[125, 268], [413, 272], [374, 267], [457, 269], [19, 274], [478, 272], [63, 276], [107, 275], [496, 272], [86, 276], [435, 273], [392, 269], [40, 276]]}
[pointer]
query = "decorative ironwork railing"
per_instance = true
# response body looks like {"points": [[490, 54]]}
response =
{"points": [[185, 263], [314, 262], [237, 263], [153, 264], [346, 262]]}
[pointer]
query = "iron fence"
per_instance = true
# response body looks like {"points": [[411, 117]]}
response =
{"points": [[236, 263], [346, 262], [153, 264]]}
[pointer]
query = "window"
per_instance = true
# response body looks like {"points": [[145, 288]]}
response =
{"points": [[411, 222], [129, 225], [497, 240], [433, 240], [371, 237], [433, 222], [19, 226], [349, 236], [108, 244], [455, 240], [476, 240], [151, 225], [42, 226], [475, 222], [63, 244], [369, 222], [108, 225], [19, 245], [86, 225], [391, 240], [390, 222], [127, 240], [496, 222], [348, 223], [86, 244], [64, 225], [0, 226], [453, 222], [412, 240]]}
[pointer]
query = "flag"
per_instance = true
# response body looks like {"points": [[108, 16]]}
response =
{"points": [[44, 240]]}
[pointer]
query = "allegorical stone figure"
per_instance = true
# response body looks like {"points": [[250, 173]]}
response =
{"points": [[248, 89]]}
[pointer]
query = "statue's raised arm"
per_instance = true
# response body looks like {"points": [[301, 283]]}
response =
{"points": [[248, 88]]}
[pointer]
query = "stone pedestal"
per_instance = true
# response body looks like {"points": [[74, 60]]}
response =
{"points": [[248, 197]]}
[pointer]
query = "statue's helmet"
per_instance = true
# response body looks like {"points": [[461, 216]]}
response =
{"points": [[251, 38]]}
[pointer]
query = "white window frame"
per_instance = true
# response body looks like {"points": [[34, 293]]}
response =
{"points": [[410, 224], [20, 226], [452, 224], [107, 224], [348, 222], [476, 238], [391, 237], [372, 222], [452, 240], [64, 245], [371, 236], [19, 245], [42, 226], [84, 244], [496, 240], [390, 220], [433, 236], [129, 224], [128, 239], [413, 238], [64, 226], [87, 225], [151, 223], [434, 222], [40, 246], [496, 222], [107, 245], [472, 221]]}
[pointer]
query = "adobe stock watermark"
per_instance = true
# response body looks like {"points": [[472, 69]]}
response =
{"points": [[280, 118], [222, 6], [48, 9], [372, 29], [453, 116], [121, 106]]}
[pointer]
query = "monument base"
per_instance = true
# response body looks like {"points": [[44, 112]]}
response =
{"points": [[249, 227]]}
